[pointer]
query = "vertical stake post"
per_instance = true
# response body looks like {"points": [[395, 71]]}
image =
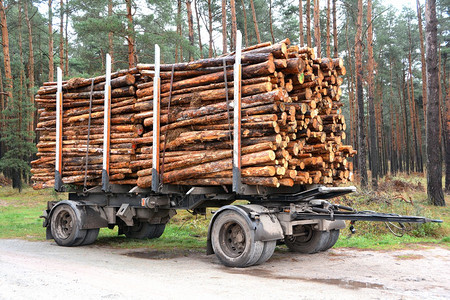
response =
{"points": [[106, 126], [237, 184], [59, 128], [156, 123]]}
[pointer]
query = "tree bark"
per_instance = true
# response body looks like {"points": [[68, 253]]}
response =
{"points": [[317, 27], [66, 39], [300, 22], [200, 46], [51, 72], [245, 24], [434, 158], [447, 141], [370, 94], [6, 56], [110, 34], [30, 65], [233, 24], [270, 21], [255, 22], [335, 37], [61, 35], [308, 23], [422, 59], [191, 29], [179, 54], [328, 30], [130, 37], [224, 26], [362, 148]]}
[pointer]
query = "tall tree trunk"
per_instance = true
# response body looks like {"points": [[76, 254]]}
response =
{"points": [[180, 35], [300, 22], [362, 150], [370, 94], [30, 66], [351, 96], [111, 34], [66, 39], [308, 23], [317, 27], [255, 22], [245, 23], [51, 69], [335, 37], [434, 158], [422, 59], [21, 72], [61, 35], [270, 20], [447, 141], [191, 29], [405, 123], [224, 26], [130, 36], [233, 24], [328, 30], [200, 46], [210, 30]]}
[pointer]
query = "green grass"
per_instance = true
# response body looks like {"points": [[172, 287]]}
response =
{"points": [[19, 218]]}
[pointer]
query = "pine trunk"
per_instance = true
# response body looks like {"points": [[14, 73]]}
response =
{"points": [[224, 26], [255, 22], [130, 36], [370, 94], [335, 37], [300, 22], [233, 24], [434, 158], [308, 23], [6, 56], [30, 65], [328, 30], [245, 23], [200, 46], [317, 27], [210, 30], [51, 72], [362, 148], [422, 59], [61, 35], [191, 29]]}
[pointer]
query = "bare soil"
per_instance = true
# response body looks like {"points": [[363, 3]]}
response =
{"points": [[36, 270]]}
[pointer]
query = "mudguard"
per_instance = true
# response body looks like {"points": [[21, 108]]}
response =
{"points": [[266, 225]]}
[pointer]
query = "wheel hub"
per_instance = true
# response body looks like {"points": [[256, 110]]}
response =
{"points": [[234, 239], [65, 225]]}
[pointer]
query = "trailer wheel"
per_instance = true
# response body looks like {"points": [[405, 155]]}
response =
{"points": [[91, 236], [234, 242], [310, 240], [334, 236], [144, 230], [269, 248], [65, 226]]}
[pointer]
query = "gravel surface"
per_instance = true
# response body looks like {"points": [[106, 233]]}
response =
{"points": [[37, 270]]}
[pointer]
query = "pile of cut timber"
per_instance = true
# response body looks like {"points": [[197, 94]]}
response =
{"points": [[292, 126], [76, 103]]}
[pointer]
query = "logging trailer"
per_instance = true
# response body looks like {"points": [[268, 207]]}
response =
{"points": [[240, 235]]}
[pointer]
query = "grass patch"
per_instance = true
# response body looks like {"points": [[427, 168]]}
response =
{"points": [[406, 195]]}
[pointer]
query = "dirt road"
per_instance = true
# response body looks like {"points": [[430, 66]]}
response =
{"points": [[37, 270]]}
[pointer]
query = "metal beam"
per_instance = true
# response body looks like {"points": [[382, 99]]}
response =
{"points": [[59, 128], [237, 183], [156, 122], [106, 126]]}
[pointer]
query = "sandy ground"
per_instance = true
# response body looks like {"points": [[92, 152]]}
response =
{"points": [[37, 270]]}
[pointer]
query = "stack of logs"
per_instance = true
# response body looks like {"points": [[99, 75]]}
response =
{"points": [[292, 126], [76, 102]]}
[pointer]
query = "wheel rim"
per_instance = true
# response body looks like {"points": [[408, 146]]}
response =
{"points": [[303, 237], [232, 239], [64, 224]]}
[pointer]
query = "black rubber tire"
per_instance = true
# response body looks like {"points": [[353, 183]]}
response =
{"points": [[334, 236], [233, 241], [144, 230], [91, 236], [159, 230], [269, 248], [66, 226], [312, 242]]}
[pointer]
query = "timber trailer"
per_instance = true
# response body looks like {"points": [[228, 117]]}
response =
{"points": [[240, 235]]}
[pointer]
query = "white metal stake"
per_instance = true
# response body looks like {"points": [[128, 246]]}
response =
{"points": [[106, 125], [156, 121], [59, 112], [237, 116]]}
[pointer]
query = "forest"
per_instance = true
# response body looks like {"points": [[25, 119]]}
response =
{"points": [[396, 91]]}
